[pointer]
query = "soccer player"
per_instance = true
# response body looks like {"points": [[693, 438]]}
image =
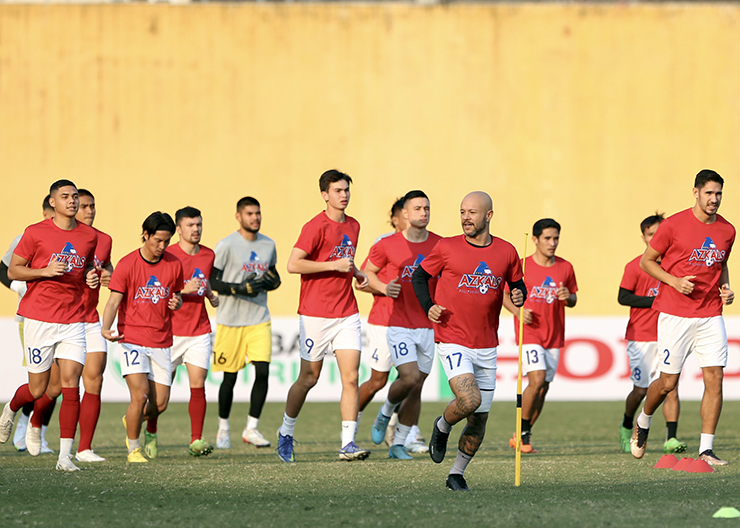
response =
{"points": [[552, 288], [55, 259], [191, 327], [694, 246], [144, 291], [638, 290], [472, 270], [19, 287], [329, 318], [410, 336], [243, 273], [97, 348]]}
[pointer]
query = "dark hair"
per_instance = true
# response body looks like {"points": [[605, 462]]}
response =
{"points": [[651, 220], [59, 184], [397, 207], [705, 176], [46, 206], [546, 223], [247, 200], [85, 192], [330, 177], [186, 212], [413, 194], [157, 221]]}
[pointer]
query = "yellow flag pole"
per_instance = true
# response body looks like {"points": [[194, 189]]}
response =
{"points": [[518, 474]]}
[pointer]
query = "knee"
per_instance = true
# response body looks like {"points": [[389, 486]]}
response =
{"points": [[536, 384], [640, 392], [162, 406], [668, 384], [308, 380], [93, 383], [37, 391], [139, 397], [469, 404], [410, 379]]}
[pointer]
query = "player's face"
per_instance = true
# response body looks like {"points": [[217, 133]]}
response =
{"points": [[157, 243], [547, 243], [250, 218], [337, 197], [190, 229], [416, 212], [474, 217], [709, 197], [86, 212], [65, 201], [649, 233], [399, 222]]}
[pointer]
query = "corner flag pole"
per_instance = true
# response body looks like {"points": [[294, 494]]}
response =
{"points": [[518, 474]]}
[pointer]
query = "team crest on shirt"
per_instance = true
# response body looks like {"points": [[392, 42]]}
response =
{"points": [[409, 270], [653, 292], [199, 275], [254, 265], [547, 291], [344, 250], [482, 279], [707, 253], [153, 291], [69, 257]]}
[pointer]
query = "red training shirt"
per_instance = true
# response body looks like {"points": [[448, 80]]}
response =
{"points": [[398, 257], [643, 323], [471, 288], [102, 259], [328, 294], [691, 247], [144, 318], [56, 299], [380, 311], [192, 318]]}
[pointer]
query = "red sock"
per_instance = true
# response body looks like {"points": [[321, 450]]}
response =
{"points": [[89, 414], [151, 425], [69, 412], [39, 410], [197, 410], [22, 396]]}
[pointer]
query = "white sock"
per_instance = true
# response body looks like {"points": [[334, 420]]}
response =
{"points": [[65, 447], [357, 428], [402, 432], [348, 432], [223, 424], [133, 444], [707, 441], [443, 426], [23, 420], [643, 420], [461, 462], [414, 433], [288, 427], [43, 433], [388, 408], [252, 422]]}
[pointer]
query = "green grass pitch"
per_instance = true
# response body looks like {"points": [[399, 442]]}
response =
{"points": [[579, 477]]}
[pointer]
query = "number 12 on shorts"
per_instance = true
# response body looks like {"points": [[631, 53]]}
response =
{"points": [[134, 359]]}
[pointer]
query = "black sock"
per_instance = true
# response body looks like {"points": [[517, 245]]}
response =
{"points": [[28, 409], [259, 388], [526, 427], [672, 428], [226, 394], [49, 412], [627, 422]]}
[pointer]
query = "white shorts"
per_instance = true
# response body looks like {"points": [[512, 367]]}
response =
{"points": [[643, 362], [154, 362], [321, 335], [534, 357], [680, 336], [380, 359], [481, 362], [408, 345], [193, 350], [45, 342], [94, 338]]}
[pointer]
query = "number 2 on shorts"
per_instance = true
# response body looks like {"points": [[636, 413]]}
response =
{"points": [[459, 359], [667, 355]]}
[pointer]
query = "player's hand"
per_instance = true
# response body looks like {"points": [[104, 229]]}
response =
{"points": [[393, 289], [563, 292], [684, 285], [105, 276], [175, 302], [213, 299], [344, 265], [435, 312], [192, 286], [726, 294], [527, 316], [55, 269], [92, 278], [110, 335], [361, 278], [517, 297]]}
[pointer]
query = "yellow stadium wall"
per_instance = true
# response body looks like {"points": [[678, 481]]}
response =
{"points": [[596, 115]]}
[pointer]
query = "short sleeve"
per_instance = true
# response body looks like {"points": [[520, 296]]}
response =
{"points": [[515, 266], [309, 239], [663, 237], [118, 280], [378, 256], [571, 283], [179, 279], [435, 261], [25, 247], [222, 255], [629, 278], [273, 257]]}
